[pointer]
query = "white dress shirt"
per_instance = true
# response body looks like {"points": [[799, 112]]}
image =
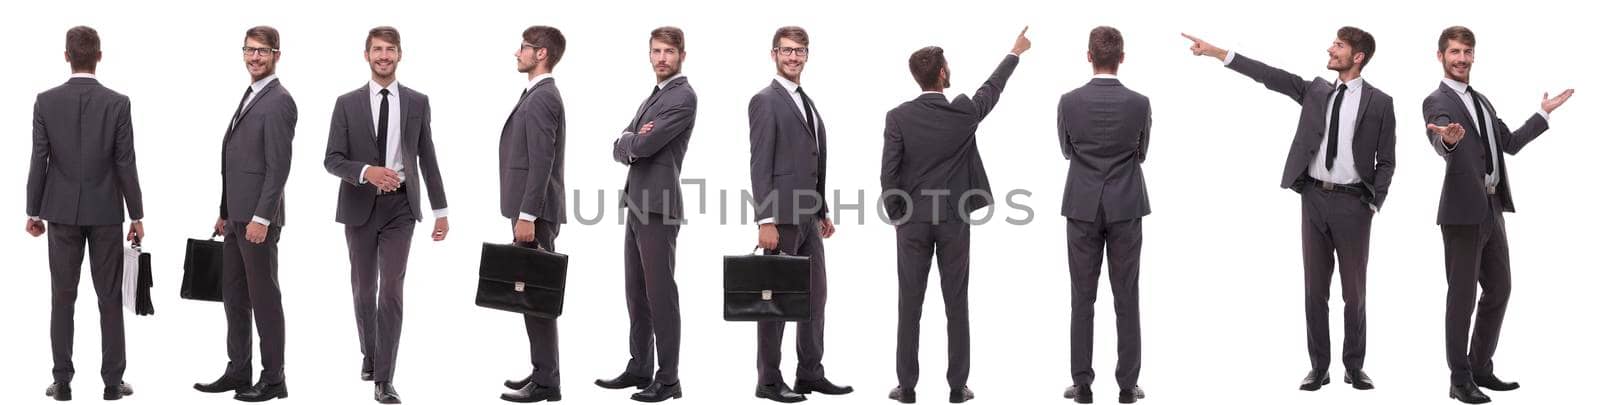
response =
{"points": [[1344, 164]]}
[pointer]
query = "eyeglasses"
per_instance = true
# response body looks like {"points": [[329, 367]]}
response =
{"points": [[787, 51], [529, 46], [258, 51]]}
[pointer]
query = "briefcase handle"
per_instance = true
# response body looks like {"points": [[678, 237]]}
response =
{"points": [[757, 251]]}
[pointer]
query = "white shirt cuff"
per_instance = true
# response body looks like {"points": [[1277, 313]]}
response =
{"points": [[441, 213], [1228, 60], [35, 218], [1545, 114], [765, 221], [361, 178], [261, 220], [527, 217]]}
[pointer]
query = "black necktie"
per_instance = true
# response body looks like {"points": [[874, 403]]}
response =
{"points": [[240, 110], [1333, 129], [1483, 130], [383, 128], [811, 122]]}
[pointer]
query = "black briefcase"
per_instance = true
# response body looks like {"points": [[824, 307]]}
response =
{"points": [[766, 288], [202, 270], [522, 280]]}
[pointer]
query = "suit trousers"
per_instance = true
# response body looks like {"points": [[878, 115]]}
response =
{"points": [[1088, 243], [250, 290], [379, 250], [798, 240], [66, 245], [919, 243], [544, 348], [654, 324], [1335, 225], [1474, 256]]}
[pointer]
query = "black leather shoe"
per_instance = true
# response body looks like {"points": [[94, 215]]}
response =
{"points": [[779, 392], [533, 392], [903, 395], [366, 375], [624, 381], [223, 384], [262, 392], [961, 395], [1468, 393], [116, 392], [1128, 396], [1358, 379], [1315, 380], [821, 386], [518, 384], [1080, 394], [60, 391], [384, 393], [657, 392], [1493, 383]]}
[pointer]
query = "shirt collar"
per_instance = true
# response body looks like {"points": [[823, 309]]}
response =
{"points": [[259, 84], [663, 83], [787, 85], [373, 87], [1105, 76], [1459, 87], [1353, 84], [83, 75], [536, 79]]}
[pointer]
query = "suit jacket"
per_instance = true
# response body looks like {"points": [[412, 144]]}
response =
{"points": [[256, 155], [533, 150], [788, 160], [655, 160], [1104, 129], [1374, 135], [1464, 198], [930, 153], [353, 144], [82, 168]]}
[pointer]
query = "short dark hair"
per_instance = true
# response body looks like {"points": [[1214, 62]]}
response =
{"points": [[267, 35], [1459, 34], [385, 33], [1360, 42], [550, 39], [1105, 47], [669, 35], [925, 65], [83, 48], [794, 33]]}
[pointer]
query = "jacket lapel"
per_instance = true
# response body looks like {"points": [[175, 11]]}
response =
{"points": [[1461, 108]]}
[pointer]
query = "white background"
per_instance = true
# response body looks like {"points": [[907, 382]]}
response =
{"points": [[1221, 282]]}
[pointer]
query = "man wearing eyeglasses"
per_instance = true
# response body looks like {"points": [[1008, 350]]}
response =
{"points": [[533, 146], [653, 146], [933, 178], [788, 173], [81, 174], [380, 143], [255, 166]]}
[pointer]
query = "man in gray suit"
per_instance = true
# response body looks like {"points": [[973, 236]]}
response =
{"points": [[653, 146], [1341, 163], [1466, 130], [255, 165], [380, 142], [81, 174], [1104, 128], [788, 175], [933, 179], [533, 146]]}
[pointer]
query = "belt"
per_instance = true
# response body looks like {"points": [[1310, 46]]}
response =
{"points": [[1353, 188], [400, 190]]}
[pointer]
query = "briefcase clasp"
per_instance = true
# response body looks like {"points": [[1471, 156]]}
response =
{"points": [[519, 286], [766, 295]]}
